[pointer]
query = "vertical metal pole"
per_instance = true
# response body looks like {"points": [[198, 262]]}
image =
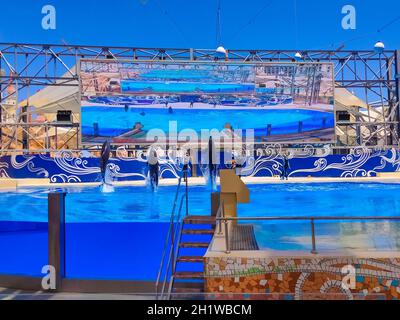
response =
{"points": [[397, 100], [187, 192], [1, 103], [314, 249], [390, 99], [220, 215], [227, 247], [56, 235], [382, 100], [25, 128]]}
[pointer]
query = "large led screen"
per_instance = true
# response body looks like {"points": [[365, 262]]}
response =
{"points": [[125, 101]]}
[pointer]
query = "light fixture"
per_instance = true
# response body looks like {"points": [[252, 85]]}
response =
{"points": [[298, 56], [379, 47], [221, 50]]}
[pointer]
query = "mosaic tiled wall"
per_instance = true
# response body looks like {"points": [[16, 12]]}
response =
{"points": [[303, 278]]}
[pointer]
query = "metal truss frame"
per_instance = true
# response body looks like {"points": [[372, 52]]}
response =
{"points": [[373, 76]]}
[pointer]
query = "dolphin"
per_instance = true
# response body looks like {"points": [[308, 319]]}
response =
{"points": [[105, 156], [212, 167]]}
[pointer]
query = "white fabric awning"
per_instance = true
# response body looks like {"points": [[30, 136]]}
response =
{"points": [[346, 98], [53, 98]]}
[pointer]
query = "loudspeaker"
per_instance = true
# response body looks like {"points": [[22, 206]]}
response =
{"points": [[64, 116], [342, 116]]}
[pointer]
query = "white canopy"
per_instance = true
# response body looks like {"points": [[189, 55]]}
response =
{"points": [[53, 98], [346, 98]]}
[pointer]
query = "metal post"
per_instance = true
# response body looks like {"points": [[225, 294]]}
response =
{"points": [[314, 249], [25, 129], [187, 192], [56, 235], [220, 214], [227, 247], [397, 88], [1, 103]]}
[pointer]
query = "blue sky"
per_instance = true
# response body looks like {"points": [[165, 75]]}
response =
{"points": [[250, 24]]}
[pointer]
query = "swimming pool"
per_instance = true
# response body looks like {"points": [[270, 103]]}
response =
{"points": [[120, 235], [137, 204]]}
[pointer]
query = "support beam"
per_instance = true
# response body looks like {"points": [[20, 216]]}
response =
{"points": [[56, 235]]}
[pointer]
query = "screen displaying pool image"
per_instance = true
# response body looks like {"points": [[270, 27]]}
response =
{"points": [[288, 102]]}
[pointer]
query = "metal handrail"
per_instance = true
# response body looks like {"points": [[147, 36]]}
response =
{"points": [[175, 248], [170, 228], [226, 220], [171, 257], [170, 238], [314, 218]]}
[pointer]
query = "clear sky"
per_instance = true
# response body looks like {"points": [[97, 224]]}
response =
{"points": [[245, 24]]}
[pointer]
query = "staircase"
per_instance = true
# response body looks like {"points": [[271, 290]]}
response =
{"points": [[188, 276], [181, 272]]}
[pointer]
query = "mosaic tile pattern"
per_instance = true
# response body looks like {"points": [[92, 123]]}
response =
{"points": [[303, 278]]}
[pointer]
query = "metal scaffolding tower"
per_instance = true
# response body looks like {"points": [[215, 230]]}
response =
{"points": [[372, 76]]}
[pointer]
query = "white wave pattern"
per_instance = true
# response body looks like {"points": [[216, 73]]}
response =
{"points": [[3, 170], [114, 172], [64, 178], [267, 162], [271, 166], [74, 165], [28, 163], [319, 165], [351, 165], [167, 162]]}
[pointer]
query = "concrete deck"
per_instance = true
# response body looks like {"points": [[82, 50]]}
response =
{"points": [[12, 184], [13, 294]]}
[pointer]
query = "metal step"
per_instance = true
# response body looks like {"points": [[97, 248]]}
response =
{"points": [[198, 231], [188, 275], [194, 244], [188, 290], [199, 220], [190, 259]]}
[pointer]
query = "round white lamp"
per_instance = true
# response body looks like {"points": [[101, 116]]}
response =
{"points": [[379, 47], [221, 50], [298, 56]]}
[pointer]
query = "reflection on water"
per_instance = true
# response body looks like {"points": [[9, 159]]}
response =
{"points": [[106, 188]]}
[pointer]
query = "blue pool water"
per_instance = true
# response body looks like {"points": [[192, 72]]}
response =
{"points": [[113, 121], [120, 235], [185, 87], [137, 204]]}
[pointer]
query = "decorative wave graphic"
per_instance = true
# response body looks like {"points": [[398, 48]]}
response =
{"points": [[114, 171], [29, 164], [3, 170], [73, 165], [63, 178], [266, 162]]}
